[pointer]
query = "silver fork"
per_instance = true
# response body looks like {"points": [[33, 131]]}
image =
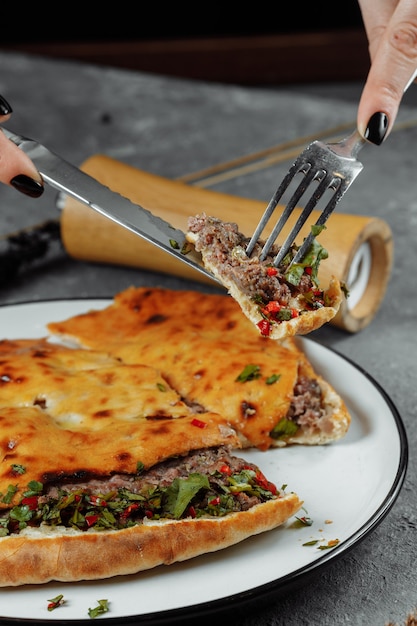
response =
{"points": [[330, 167]]}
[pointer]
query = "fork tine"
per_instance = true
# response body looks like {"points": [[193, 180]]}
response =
{"points": [[296, 168], [332, 166], [327, 182], [292, 203], [325, 214]]}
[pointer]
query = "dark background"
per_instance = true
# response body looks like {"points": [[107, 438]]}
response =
{"points": [[263, 45], [127, 21]]}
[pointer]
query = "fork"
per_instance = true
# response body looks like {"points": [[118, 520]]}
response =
{"points": [[331, 167]]}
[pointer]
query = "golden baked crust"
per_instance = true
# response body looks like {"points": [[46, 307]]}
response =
{"points": [[155, 375], [32, 439], [70, 414], [68, 411], [202, 343], [38, 556]]}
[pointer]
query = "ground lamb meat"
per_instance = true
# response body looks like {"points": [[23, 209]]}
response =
{"points": [[226, 247], [198, 461], [307, 403]]}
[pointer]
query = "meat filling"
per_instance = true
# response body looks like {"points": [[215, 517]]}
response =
{"points": [[225, 248], [209, 482], [306, 407]]}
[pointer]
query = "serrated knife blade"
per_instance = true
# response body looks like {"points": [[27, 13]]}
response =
{"points": [[72, 181]]}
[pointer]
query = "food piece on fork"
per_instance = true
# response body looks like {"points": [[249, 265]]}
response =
{"points": [[282, 301]]}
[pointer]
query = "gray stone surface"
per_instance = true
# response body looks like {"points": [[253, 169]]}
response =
{"points": [[171, 127]]}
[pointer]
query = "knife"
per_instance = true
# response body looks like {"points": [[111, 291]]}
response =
{"points": [[73, 182]]}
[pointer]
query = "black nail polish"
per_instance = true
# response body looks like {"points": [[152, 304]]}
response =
{"points": [[5, 107], [27, 185], [377, 128]]}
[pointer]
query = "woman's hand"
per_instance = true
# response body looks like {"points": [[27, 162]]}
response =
{"points": [[391, 28], [16, 168]]}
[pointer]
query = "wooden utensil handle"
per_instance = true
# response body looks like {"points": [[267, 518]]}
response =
{"points": [[89, 236]]}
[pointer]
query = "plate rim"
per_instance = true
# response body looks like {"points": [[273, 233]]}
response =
{"points": [[273, 588]]}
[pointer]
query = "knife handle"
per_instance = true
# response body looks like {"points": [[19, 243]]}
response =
{"points": [[360, 248]]}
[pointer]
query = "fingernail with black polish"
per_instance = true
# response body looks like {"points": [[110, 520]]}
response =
{"points": [[377, 128], [5, 107], [27, 185]]}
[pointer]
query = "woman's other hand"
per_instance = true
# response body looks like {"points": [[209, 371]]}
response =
{"points": [[16, 168]]}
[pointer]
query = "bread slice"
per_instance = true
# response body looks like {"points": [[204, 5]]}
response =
{"points": [[99, 528], [280, 301], [216, 361]]}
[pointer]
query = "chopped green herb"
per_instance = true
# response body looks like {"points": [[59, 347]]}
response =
{"points": [[8, 497], [35, 488], [103, 607], [54, 603], [305, 521], [250, 372], [186, 249], [316, 229], [284, 428], [273, 379], [182, 491], [18, 469], [312, 259], [196, 496]]}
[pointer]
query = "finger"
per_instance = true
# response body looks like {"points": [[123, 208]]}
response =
{"points": [[394, 62], [376, 22], [17, 170]]}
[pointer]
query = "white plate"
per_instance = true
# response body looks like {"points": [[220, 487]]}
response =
{"points": [[347, 487]]}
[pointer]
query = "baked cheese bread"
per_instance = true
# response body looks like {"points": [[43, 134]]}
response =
{"points": [[280, 301], [105, 470], [217, 361], [81, 526]]}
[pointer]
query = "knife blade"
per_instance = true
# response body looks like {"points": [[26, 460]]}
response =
{"points": [[70, 180]]}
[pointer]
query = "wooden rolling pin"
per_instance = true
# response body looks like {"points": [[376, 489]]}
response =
{"points": [[360, 248]]}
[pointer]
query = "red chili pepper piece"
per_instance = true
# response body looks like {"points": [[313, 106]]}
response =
{"points": [[90, 520], [198, 423], [97, 501], [272, 271], [54, 603], [225, 469], [192, 512], [273, 306], [265, 483], [31, 502], [215, 501], [264, 327], [128, 510]]}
